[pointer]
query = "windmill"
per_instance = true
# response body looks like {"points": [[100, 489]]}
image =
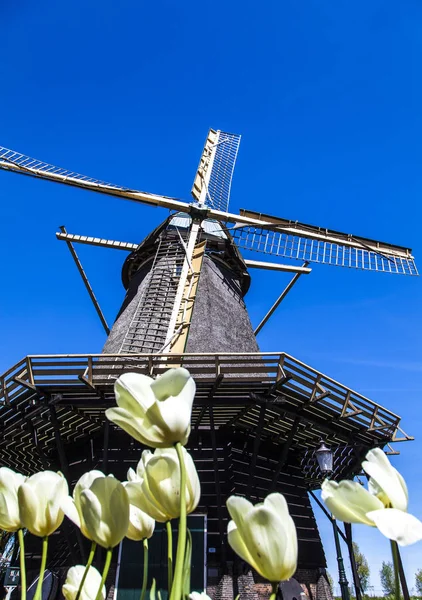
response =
{"points": [[258, 417]]}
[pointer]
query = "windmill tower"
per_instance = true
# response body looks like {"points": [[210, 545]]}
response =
{"points": [[258, 417]]}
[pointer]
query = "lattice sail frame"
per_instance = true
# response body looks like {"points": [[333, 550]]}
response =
{"points": [[213, 179], [252, 231], [318, 245]]}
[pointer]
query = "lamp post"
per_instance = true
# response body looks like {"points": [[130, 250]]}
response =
{"points": [[324, 458]]}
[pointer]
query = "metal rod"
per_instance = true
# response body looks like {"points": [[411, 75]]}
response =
{"points": [[327, 514], [355, 574], [279, 299], [344, 584], [402, 577], [86, 282]]}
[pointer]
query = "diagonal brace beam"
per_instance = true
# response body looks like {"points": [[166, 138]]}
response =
{"points": [[86, 282], [280, 299]]}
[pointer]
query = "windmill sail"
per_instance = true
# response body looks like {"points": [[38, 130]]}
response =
{"points": [[16, 162], [212, 183], [298, 241]]}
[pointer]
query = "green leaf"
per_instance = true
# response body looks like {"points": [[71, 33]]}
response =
{"points": [[152, 592]]}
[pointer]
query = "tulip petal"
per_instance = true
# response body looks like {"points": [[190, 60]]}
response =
{"points": [[28, 508], [141, 500], [267, 543], [170, 383], [349, 501], [119, 512], [397, 525], [236, 542], [163, 477], [378, 467], [91, 514], [238, 508], [133, 392], [140, 429], [70, 510]]}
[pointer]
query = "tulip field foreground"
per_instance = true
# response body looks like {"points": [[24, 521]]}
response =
{"points": [[165, 487]]}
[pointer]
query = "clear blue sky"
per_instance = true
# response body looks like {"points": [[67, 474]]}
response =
{"points": [[327, 96]]}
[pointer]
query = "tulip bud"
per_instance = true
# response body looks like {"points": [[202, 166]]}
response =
{"points": [[105, 511], [9, 505], [264, 536], [157, 412], [40, 499], [156, 488], [71, 506], [91, 584]]}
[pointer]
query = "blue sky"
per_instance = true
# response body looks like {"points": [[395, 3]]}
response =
{"points": [[327, 97]]}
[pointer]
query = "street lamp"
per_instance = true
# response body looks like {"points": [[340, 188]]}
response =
{"points": [[324, 458]]}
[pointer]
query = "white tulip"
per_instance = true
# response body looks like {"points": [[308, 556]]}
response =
{"points": [[384, 505], [9, 505], [199, 596], [264, 535], [91, 584], [40, 500], [71, 505], [155, 487], [105, 511], [157, 412], [141, 525]]}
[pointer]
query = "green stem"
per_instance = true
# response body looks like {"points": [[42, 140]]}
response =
{"points": [[145, 578], [396, 569], [274, 587], [176, 590], [42, 568], [169, 555], [22, 564], [88, 564], [105, 572]]}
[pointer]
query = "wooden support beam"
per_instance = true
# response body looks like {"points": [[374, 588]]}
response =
{"points": [[105, 445], [43, 458], [284, 452], [64, 465], [214, 388], [217, 485], [257, 264], [256, 444]]}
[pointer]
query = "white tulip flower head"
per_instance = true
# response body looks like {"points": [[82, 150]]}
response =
{"points": [[199, 596], [105, 511], [383, 505], [40, 502], [9, 505], [141, 525], [91, 584], [155, 487], [155, 412], [264, 535], [72, 504]]}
